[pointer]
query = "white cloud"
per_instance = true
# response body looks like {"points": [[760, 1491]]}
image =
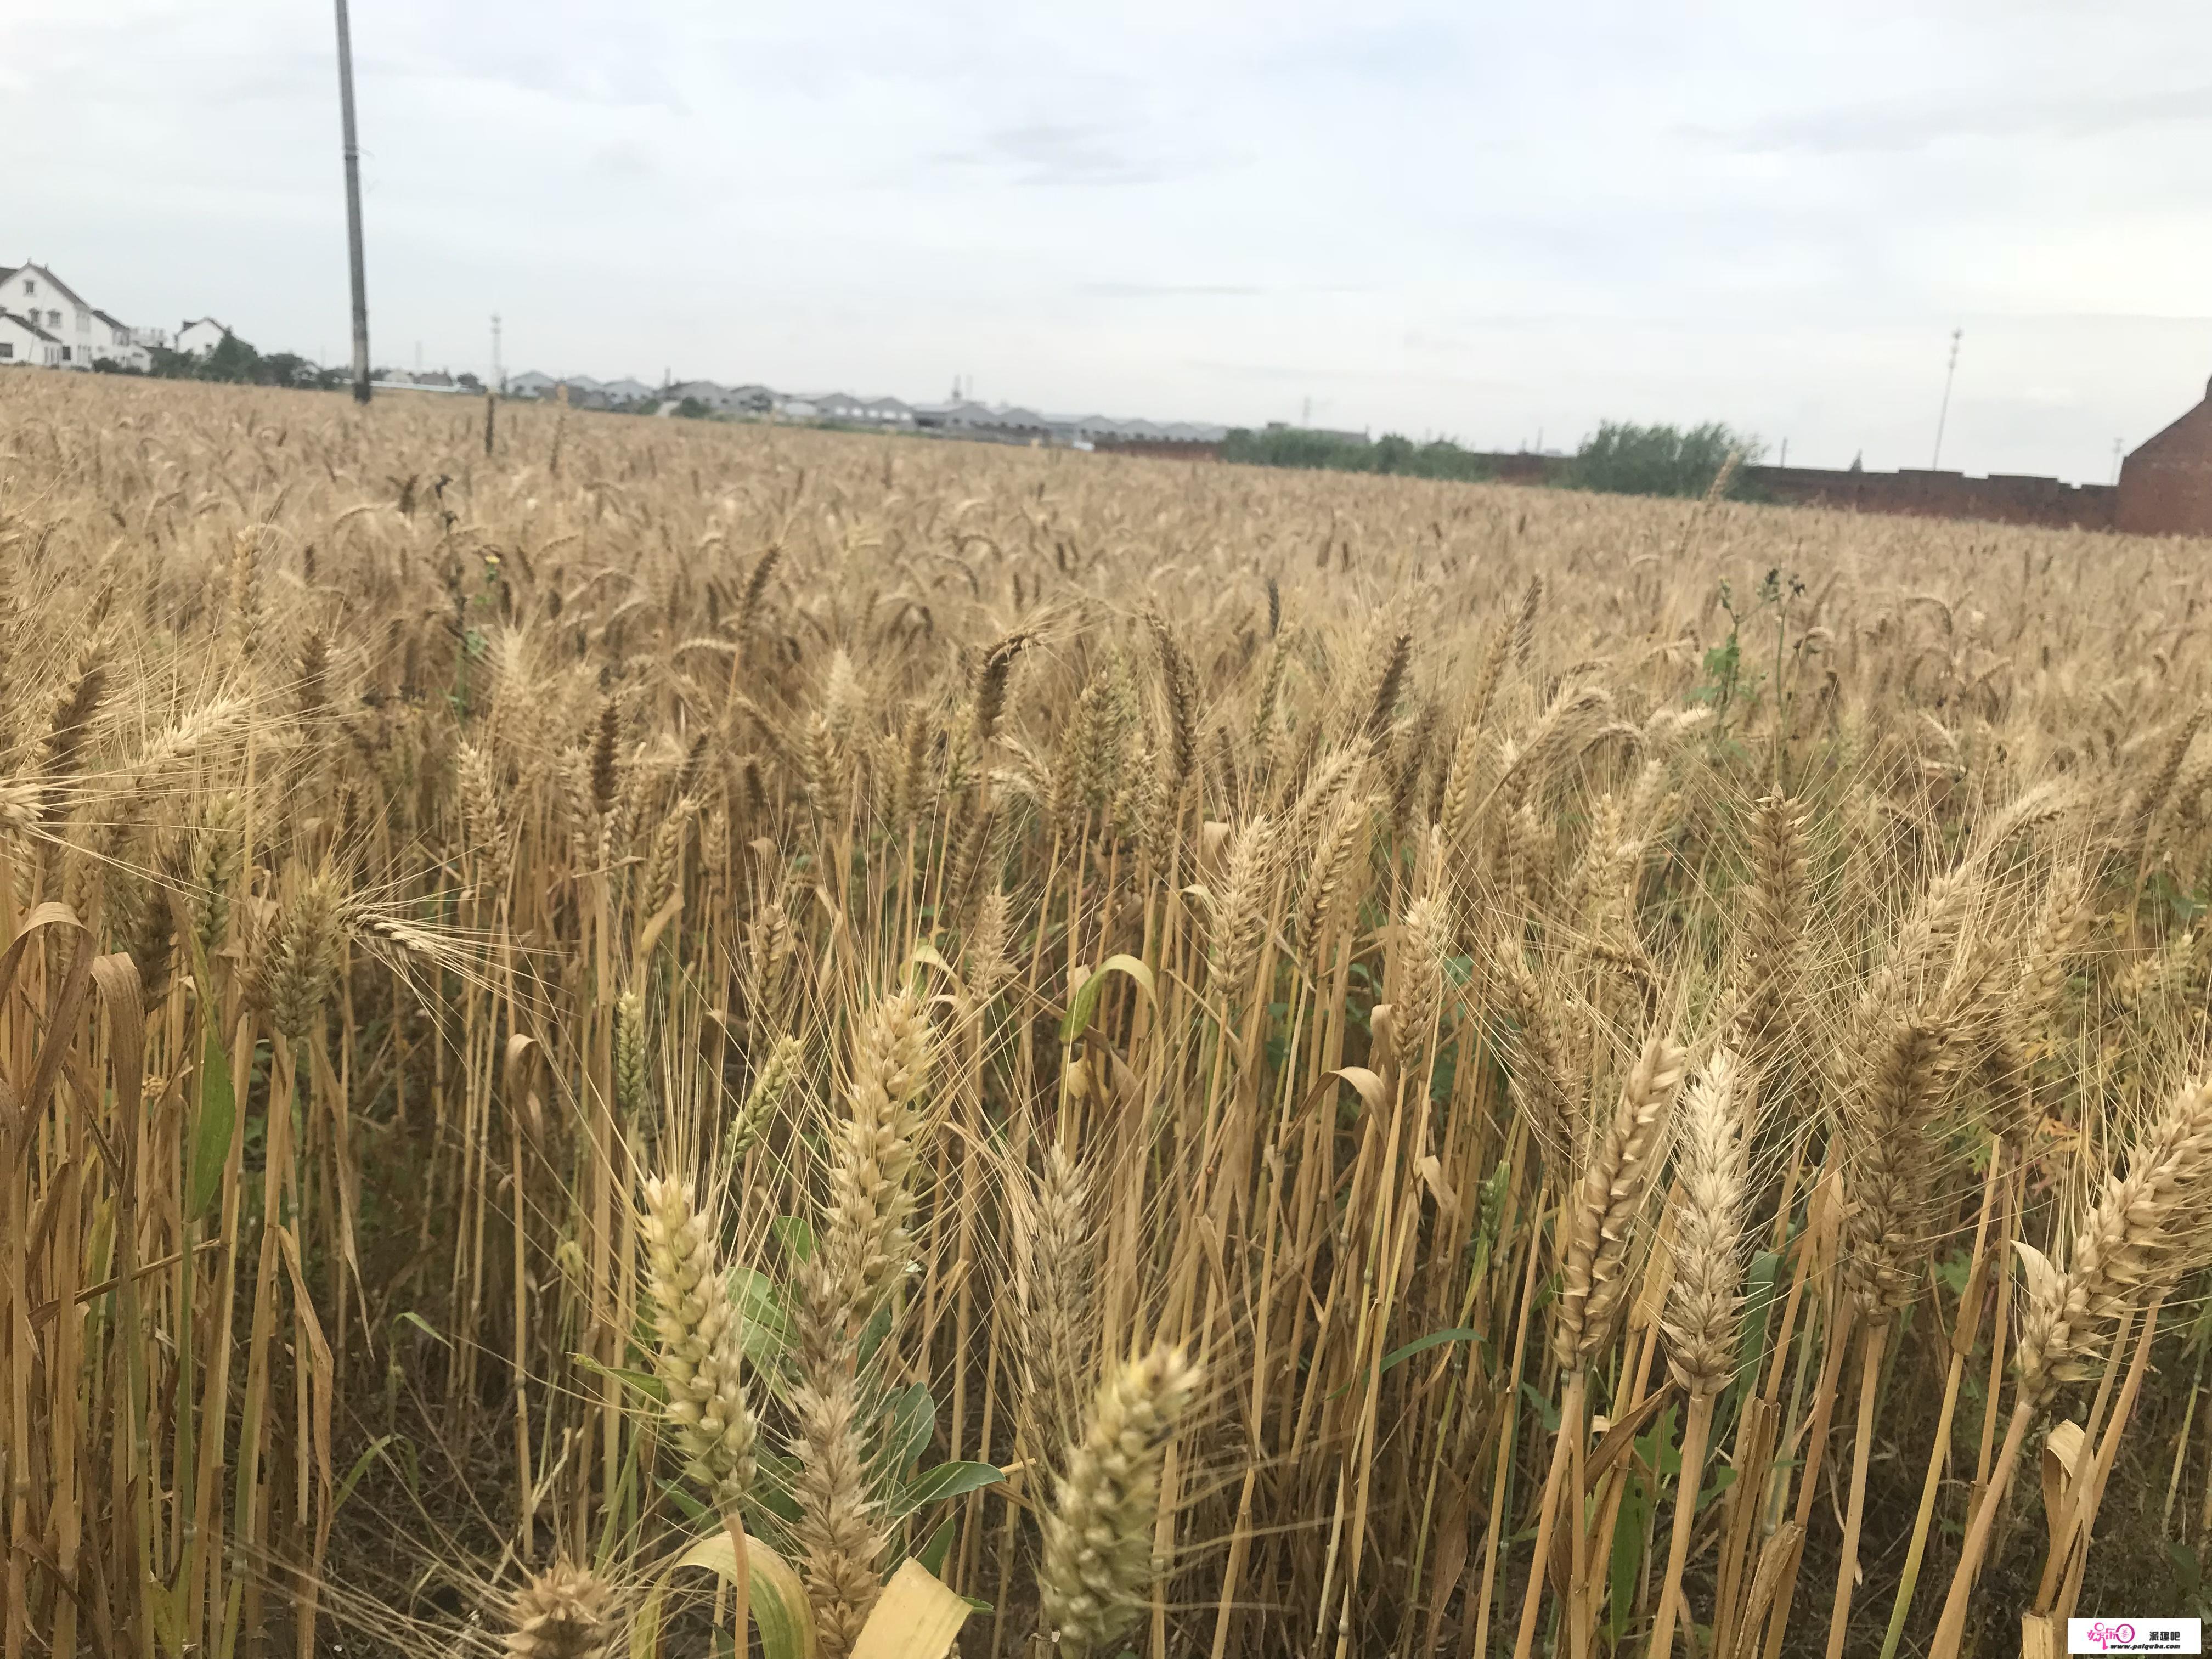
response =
{"points": [[1419, 216]]}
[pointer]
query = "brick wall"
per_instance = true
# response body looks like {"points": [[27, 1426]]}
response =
{"points": [[2173, 494], [2166, 486], [2001, 498]]}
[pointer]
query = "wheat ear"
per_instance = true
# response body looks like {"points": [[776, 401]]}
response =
{"points": [[1097, 1536], [770, 1085], [2144, 1232], [862, 1252], [700, 1345], [1704, 1302], [564, 1612], [2137, 1236], [1614, 1176]]}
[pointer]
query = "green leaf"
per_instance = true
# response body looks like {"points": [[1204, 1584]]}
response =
{"points": [[694, 1511], [945, 1481], [644, 1382], [1083, 1006], [763, 1318], [1723, 1478], [1656, 1447], [168, 1616], [794, 1235], [780, 1611], [911, 1420], [211, 1136], [1953, 1270], [410, 1318], [874, 1334], [1547, 1411], [1759, 1291], [933, 1553], [360, 1467], [1433, 1339], [1627, 1556], [779, 1472]]}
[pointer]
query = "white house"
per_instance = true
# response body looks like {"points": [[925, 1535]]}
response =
{"points": [[46, 302], [531, 384], [202, 334], [724, 400], [24, 342], [117, 342]]}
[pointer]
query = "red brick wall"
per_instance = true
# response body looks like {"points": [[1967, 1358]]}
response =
{"points": [[2001, 498], [2166, 486]]}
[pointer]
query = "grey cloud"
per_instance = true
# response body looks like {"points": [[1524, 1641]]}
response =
{"points": [[625, 160], [1291, 374], [1048, 153], [1404, 52], [1912, 123], [1170, 290]]}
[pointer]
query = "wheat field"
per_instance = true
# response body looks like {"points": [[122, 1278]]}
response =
{"points": [[619, 1036]]}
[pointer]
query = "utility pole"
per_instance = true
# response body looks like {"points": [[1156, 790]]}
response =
{"points": [[2115, 460], [498, 374], [353, 209], [1785, 452], [1944, 414]]}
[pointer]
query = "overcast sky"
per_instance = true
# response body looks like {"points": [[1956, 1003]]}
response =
{"points": [[1488, 221]]}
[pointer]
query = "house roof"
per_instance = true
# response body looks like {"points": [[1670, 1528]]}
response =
{"points": [[2187, 418], [23, 321], [60, 287], [109, 320], [194, 322]]}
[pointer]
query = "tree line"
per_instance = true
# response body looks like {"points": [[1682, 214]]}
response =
{"points": [[1621, 457]]}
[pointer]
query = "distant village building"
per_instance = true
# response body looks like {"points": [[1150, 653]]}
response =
{"points": [[2165, 485], [56, 327], [202, 334], [1013, 424], [23, 341], [723, 400], [118, 343]]}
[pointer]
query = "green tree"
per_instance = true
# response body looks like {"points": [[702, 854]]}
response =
{"points": [[1393, 453], [1623, 458]]}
